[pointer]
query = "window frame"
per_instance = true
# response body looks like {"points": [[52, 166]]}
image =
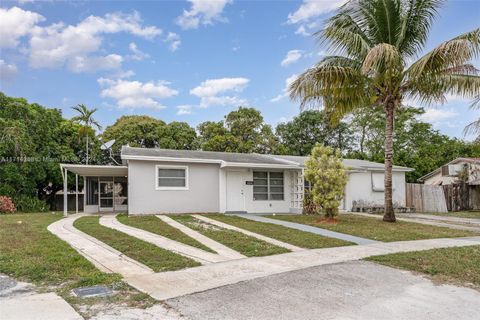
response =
{"points": [[269, 185], [161, 166]]}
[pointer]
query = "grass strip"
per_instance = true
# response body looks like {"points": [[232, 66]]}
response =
{"points": [[29, 252], [460, 265], [156, 258], [460, 214], [246, 245], [376, 229], [298, 238], [155, 225]]}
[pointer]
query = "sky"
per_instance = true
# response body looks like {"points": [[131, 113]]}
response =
{"points": [[190, 61]]}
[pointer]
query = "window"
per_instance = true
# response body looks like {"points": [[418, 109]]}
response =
{"points": [[172, 177], [268, 185]]}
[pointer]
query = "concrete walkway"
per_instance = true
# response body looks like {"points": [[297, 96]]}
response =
{"points": [[196, 254], [276, 242], [303, 227], [104, 257], [212, 244], [422, 221], [173, 284], [472, 221]]}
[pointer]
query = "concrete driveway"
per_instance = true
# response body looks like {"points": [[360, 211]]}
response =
{"points": [[349, 290]]}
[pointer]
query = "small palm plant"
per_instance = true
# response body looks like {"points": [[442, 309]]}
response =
{"points": [[374, 44], [85, 118]]}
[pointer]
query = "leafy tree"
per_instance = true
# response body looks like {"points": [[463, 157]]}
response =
{"points": [[85, 118], [136, 131], [300, 135], [33, 140], [177, 135], [373, 42], [243, 130], [324, 169]]}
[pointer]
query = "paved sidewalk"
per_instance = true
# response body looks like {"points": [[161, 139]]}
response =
{"points": [[19, 301], [104, 257], [173, 284], [196, 254], [212, 244], [421, 221], [473, 221], [276, 242], [303, 227]]}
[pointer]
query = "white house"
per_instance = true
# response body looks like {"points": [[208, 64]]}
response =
{"points": [[449, 173], [153, 181]]}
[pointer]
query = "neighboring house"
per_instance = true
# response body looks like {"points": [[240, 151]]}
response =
{"points": [[467, 169], [152, 181]]}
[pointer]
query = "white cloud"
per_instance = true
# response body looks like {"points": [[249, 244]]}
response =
{"points": [[16, 23], [284, 93], [94, 63], [302, 31], [311, 9], [202, 12], [137, 54], [184, 110], [210, 91], [7, 71], [434, 116], [173, 40], [291, 57], [57, 44], [135, 94]]}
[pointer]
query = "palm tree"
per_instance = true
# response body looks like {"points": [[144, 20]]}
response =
{"points": [[85, 118], [373, 44], [474, 127]]}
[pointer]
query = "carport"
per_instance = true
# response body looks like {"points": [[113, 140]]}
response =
{"points": [[105, 186]]}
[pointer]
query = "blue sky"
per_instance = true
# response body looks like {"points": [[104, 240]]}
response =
{"points": [[181, 60]]}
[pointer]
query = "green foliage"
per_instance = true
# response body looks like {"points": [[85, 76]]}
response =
{"points": [[324, 169], [33, 140], [30, 204], [300, 135], [148, 132], [243, 130]]}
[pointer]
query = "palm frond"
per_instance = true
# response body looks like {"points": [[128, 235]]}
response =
{"points": [[416, 23], [383, 57], [453, 53]]}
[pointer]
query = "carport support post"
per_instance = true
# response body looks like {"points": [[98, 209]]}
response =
{"points": [[65, 194], [76, 193]]}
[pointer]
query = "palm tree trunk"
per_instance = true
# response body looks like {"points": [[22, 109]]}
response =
{"points": [[389, 126], [87, 149]]}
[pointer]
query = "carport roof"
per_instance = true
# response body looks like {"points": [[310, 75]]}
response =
{"points": [[94, 170]]}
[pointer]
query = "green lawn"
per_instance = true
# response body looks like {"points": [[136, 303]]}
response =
{"points": [[246, 245], [460, 214], [157, 226], [156, 258], [376, 229], [296, 237], [29, 252], [456, 265]]}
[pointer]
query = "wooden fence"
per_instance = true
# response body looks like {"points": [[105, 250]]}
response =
{"points": [[425, 198]]}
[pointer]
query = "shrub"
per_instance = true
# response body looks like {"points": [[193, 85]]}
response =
{"points": [[327, 174], [309, 207], [30, 204], [7, 205]]}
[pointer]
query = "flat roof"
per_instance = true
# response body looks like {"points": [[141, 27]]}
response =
{"points": [[95, 170], [232, 159]]}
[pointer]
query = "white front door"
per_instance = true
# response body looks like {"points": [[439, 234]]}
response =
{"points": [[235, 192]]}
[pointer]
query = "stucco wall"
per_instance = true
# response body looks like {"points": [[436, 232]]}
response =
{"points": [[202, 195], [359, 187]]}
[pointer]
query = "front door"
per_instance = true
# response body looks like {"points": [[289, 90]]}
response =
{"points": [[235, 192], [106, 195]]}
